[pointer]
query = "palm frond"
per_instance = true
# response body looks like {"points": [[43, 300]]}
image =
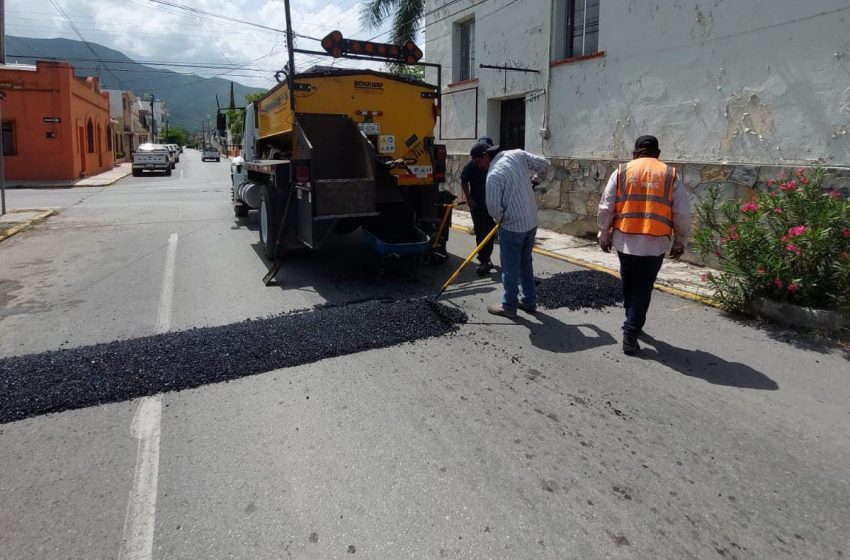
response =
{"points": [[375, 12], [406, 20]]}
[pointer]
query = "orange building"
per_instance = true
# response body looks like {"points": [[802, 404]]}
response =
{"points": [[55, 125]]}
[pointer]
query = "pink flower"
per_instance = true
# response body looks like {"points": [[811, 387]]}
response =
{"points": [[779, 283], [793, 287], [750, 207], [771, 182], [804, 180], [789, 186], [801, 171], [797, 231], [777, 210], [703, 277], [835, 195], [793, 248], [846, 232]]}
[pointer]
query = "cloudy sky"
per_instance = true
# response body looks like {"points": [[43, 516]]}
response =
{"points": [[150, 32]]}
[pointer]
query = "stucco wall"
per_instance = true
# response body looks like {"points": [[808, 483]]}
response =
{"points": [[758, 82]]}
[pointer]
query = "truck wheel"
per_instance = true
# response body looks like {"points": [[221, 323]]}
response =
{"points": [[168, 172], [137, 173], [269, 220], [173, 165], [240, 210], [218, 159]]}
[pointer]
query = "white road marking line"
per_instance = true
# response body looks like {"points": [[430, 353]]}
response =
{"points": [[140, 520], [139, 523], [163, 317]]}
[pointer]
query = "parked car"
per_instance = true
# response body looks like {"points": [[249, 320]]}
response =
{"points": [[176, 149], [172, 154], [210, 153], [152, 157]]}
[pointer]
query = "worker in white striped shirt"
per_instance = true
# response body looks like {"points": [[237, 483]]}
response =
{"points": [[511, 202]]}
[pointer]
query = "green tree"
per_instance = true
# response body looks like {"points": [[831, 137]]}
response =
{"points": [[254, 97], [406, 15], [405, 71], [177, 135]]}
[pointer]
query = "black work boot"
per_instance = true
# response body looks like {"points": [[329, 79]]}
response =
{"points": [[484, 268], [630, 344]]}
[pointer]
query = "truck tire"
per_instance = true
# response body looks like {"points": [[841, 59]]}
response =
{"points": [[240, 210], [168, 172], [137, 173], [270, 211], [218, 159], [173, 165]]}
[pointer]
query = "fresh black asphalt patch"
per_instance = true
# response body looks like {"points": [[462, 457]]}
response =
{"points": [[582, 289], [116, 371]]}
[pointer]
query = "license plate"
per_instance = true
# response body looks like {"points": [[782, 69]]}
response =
{"points": [[370, 128]]}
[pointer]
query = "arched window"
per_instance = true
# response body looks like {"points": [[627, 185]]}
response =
{"points": [[109, 138], [89, 137]]}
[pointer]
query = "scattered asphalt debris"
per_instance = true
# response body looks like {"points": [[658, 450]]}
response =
{"points": [[90, 375], [582, 289]]}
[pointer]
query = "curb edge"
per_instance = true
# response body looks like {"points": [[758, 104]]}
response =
{"points": [[28, 224]]}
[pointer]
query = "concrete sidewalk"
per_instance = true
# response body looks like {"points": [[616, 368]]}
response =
{"points": [[15, 221], [100, 180], [676, 277]]}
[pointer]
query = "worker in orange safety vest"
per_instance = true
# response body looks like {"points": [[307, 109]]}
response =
{"points": [[644, 212]]}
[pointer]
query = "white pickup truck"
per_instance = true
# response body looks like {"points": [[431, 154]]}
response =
{"points": [[151, 157], [210, 153]]}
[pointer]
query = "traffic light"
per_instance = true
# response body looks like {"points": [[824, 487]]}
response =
{"points": [[337, 46]]}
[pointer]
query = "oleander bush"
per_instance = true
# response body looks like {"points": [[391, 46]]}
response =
{"points": [[790, 244]]}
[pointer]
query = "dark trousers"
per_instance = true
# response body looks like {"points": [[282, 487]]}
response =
{"points": [[483, 224], [638, 275]]}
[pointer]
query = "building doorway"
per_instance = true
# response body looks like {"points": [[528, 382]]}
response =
{"points": [[512, 124], [82, 144]]}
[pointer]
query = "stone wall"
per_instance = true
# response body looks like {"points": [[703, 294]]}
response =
{"points": [[569, 196]]}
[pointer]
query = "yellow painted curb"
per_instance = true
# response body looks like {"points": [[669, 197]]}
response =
{"points": [[29, 223], [584, 264]]}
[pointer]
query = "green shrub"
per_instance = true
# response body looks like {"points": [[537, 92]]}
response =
{"points": [[791, 243]]}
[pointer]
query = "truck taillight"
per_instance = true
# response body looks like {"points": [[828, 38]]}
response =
{"points": [[302, 173], [440, 163]]}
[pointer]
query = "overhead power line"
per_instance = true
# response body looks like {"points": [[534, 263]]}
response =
{"points": [[228, 18], [83, 39]]}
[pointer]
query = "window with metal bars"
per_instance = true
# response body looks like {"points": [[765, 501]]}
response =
{"points": [[466, 51], [582, 36], [9, 146]]}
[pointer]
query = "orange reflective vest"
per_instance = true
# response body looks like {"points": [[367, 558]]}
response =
{"points": [[645, 197]]}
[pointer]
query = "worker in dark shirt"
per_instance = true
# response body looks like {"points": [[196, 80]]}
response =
{"points": [[473, 181]]}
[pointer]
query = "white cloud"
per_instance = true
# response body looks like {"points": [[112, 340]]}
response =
{"points": [[146, 31]]}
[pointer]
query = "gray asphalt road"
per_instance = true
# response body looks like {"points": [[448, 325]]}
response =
{"points": [[532, 438]]}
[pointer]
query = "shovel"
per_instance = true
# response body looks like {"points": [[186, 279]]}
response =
{"points": [[471, 256]]}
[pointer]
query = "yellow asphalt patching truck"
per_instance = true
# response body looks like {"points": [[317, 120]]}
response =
{"points": [[357, 150]]}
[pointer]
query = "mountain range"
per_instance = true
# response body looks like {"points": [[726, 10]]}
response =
{"points": [[189, 98]]}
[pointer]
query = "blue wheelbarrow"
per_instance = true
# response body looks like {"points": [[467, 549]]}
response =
{"points": [[393, 251]]}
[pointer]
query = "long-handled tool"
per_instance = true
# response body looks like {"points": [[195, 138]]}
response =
{"points": [[471, 256]]}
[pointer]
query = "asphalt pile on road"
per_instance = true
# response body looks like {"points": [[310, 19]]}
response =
{"points": [[582, 289], [90, 375]]}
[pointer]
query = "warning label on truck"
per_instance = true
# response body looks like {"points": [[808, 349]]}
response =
{"points": [[386, 144], [420, 171]]}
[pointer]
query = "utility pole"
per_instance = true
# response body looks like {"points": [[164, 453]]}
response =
{"points": [[2, 97], [2, 162], [153, 121], [2, 32]]}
